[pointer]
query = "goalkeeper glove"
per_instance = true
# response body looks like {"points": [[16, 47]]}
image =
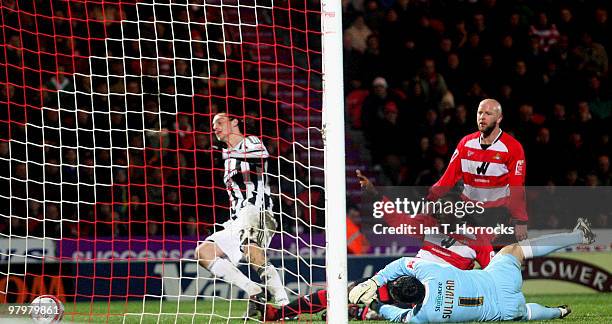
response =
{"points": [[364, 292]]}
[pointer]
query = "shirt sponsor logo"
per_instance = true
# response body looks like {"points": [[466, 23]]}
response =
{"points": [[520, 165]]}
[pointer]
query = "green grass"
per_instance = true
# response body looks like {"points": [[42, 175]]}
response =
{"points": [[587, 308]]}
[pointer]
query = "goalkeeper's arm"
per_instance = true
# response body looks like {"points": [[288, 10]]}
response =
{"points": [[391, 312], [365, 292], [394, 270]]}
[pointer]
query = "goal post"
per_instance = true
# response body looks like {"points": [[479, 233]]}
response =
{"points": [[335, 164]]}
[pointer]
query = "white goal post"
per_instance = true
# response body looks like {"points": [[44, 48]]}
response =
{"points": [[335, 166]]}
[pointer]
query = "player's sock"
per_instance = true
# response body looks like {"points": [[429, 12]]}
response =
{"points": [[270, 277], [309, 304], [546, 244], [537, 312], [272, 313], [225, 270]]}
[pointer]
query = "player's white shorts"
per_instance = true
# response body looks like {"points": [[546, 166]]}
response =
{"points": [[248, 224], [228, 240]]}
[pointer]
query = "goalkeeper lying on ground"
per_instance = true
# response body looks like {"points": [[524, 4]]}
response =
{"points": [[460, 251], [446, 294]]}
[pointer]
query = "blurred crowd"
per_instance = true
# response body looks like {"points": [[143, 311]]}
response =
{"points": [[111, 137], [122, 145], [415, 71]]}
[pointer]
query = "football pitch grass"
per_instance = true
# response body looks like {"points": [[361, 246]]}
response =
{"points": [[587, 308]]}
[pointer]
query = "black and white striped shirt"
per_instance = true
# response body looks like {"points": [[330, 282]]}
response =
{"points": [[245, 177]]}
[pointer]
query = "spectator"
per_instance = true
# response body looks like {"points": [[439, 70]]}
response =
{"points": [[603, 170], [567, 24], [352, 60], [522, 82], [479, 26], [358, 32], [455, 75], [356, 242], [459, 36], [432, 83], [572, 179], [518, 29], [373, 105], [585, 124], [444, 49], [431, 125], [459, 125], [506, 54], [426, 38], [472, 51], [591, 56], [547, 33], [393, 37], [381, 145], [374, 15], [601, 28], [424, 156], [375, 59], [429, 176], [539, 153], [488, 73], [576, 154], [559, 124], [526, 129], [598, 94]]}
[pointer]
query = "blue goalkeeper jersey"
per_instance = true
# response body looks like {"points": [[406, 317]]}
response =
{"points": [[451, 295]]}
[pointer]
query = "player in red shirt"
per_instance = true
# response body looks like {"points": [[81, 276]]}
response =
{"points": [[456, 249], [491, 164]]}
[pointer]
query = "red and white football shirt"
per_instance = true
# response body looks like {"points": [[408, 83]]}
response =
{"points": [[494, 175]]}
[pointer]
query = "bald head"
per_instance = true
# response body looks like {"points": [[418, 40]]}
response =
{"points": [[489, 116], [492, 104]]}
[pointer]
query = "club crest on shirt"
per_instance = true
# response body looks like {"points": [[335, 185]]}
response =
{"points": [[497, 156], [410, 264]]}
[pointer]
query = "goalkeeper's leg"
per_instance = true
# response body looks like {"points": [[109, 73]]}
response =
{"points": [[543, 245], [537, 312], [211, 257]]}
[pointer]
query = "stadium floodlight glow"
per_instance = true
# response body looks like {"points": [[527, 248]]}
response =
{"points": [[109, 170]]}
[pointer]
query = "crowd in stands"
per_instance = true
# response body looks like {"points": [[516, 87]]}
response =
{"points": [[415, 72], [109, 137]]}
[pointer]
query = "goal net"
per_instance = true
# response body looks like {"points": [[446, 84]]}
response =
{"points": [[110, 172]]}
